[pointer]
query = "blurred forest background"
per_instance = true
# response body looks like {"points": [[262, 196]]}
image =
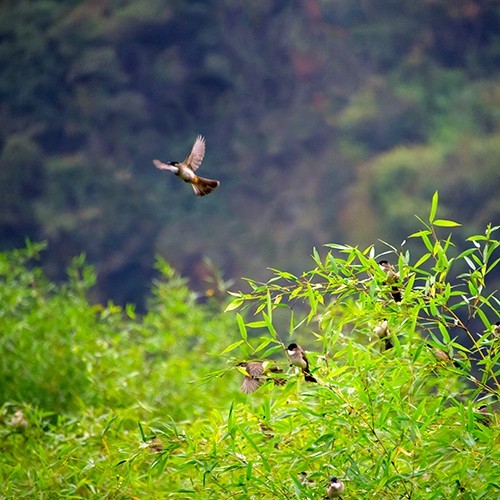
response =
{"points": [[325, 120]]}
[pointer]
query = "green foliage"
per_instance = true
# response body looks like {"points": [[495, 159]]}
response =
{"points": [[101, 401], [48, 326], [401, 422]]}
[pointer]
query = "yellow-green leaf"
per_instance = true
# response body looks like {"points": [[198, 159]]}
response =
{"points": [[434, 206], [445, 223]]}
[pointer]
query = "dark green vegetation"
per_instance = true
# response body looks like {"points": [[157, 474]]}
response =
{"points": [[325, 121], [100, 403]]}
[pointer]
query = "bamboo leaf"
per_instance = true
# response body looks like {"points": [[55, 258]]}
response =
{"points": [[446, 223], [234, 304], [434, 205], [232, 346], [422, 259], [241, 326]]}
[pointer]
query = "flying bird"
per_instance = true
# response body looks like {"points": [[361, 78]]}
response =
{"points": [[335, 488], [255, 375], [392, 277], [186, 169], [298, 358]]}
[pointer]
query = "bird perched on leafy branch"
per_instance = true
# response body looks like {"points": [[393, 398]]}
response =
{"points": [[335, 488], [392, 277], [444, 356], [297, 357], [383, 333], [255, 374], [186, 169], [496, 329]]}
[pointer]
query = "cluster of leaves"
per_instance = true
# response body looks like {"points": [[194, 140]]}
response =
{"points": [[411, 421]]}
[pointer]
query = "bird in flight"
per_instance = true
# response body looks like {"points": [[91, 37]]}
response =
{"points": [[255, 375], [186, 169]]}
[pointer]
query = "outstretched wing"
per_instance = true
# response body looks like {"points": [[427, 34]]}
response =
{"points": [[193, 161], [164, 166]]}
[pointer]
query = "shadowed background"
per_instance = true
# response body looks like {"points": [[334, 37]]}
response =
{"points": [[325, 121]]}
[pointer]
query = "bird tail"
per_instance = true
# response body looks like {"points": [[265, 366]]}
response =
{"points": [[387, 344], [250, 384], [396, 294], [202, 186], [308, 377]]}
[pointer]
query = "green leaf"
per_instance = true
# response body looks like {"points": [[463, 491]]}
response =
{"points": [[492, 266], [444, 333], [141, 431], [269, 305], [422, 259], [427, 242], [268, 322], [232, 346], [264, 343], [241, 326], [256, 324], [255, 447], [434, 205], [446, 223], [421, 233], [272, 350], [234, 304], [109, 423], [248, 475]]}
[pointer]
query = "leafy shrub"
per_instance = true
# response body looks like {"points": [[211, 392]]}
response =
{"points": [[148, 408]]}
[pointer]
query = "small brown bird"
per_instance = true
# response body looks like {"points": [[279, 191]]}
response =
{"points": [[186, 169], [496, 329], [335, 488], [383, 333], [255, 375], [298, 358], [392, 277], [19, 420], [304, 479], [444, 356], [483, 415]]}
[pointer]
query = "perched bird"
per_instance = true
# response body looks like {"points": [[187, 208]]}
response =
{"points": [[383, 333], [255, 375], [186, 169], [298, 358], [496, 329], [304, 479], [19, 420], [392, 277], [444, 356], [483, 415], [335, 488]]}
